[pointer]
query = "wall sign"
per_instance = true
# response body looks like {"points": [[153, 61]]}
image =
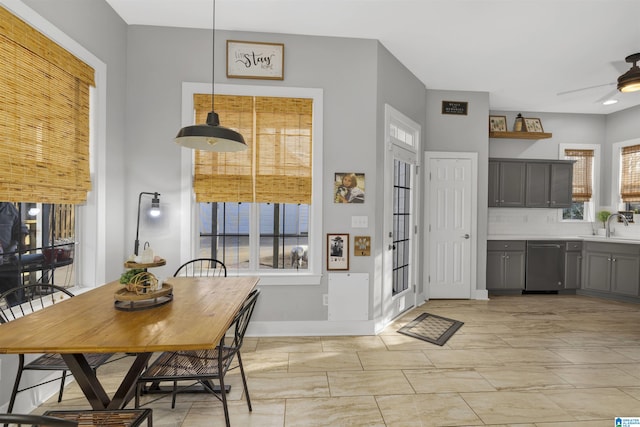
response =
{"points": [[255, 60], [454, 107]]}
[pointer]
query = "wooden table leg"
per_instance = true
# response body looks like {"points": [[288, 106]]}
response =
{"points": [[93, 390]]}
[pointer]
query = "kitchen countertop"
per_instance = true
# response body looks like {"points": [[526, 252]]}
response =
{"points": [[591, 238]]}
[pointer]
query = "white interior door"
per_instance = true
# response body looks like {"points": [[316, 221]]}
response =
{"points": [[451, 209]]}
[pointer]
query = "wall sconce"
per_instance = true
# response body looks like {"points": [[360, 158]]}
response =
{"points": [[154, 212]]}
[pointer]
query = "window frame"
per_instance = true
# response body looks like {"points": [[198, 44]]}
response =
{"points": [[189, 227], [590, 206]]}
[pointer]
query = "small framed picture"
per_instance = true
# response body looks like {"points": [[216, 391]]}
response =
{"points": [[337, 251], [348, 187], [497, 123], [533, 125], [362, 245]]}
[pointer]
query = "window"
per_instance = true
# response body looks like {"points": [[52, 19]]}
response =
{"points": [[44, 120], [584, 158], [254, 207], [38, 242], [630, 174]]}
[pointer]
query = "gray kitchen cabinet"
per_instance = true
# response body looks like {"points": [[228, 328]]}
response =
{"points": [[549, 184], [612, 268], [561, 184], [506, 183], [573, 265], [505, 264]]}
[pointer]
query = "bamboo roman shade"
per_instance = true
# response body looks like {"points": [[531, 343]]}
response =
{"points": [[630, 174], [582, 173], [44, 117], [277, 166]]}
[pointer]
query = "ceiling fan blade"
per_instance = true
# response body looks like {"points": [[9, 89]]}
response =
{"points": [[609, 95], [566, 92]]}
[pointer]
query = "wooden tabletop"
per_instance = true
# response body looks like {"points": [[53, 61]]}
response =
{"points": [[200, 313]]}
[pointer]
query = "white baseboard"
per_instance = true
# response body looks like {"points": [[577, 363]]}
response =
{"points": [[311, 328]]}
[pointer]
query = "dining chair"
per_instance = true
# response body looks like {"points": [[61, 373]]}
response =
{"points": [[36, 297], [204, 366], [202, 267], [36, 420]]}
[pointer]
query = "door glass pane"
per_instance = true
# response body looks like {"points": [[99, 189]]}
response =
{"points": [[401, 225]]}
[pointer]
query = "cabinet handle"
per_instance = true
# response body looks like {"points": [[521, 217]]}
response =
{"points": [[614, 260]]}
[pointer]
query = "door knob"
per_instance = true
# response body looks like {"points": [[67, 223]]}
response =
{"points": [[466, 236]]}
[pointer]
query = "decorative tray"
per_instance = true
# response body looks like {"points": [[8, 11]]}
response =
{"points": [[131, 301], [131, 264]]}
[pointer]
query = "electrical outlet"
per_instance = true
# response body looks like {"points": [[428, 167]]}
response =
{"points": [[325, 299]]}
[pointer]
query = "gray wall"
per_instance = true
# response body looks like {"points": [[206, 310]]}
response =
{"points": [[468, 133], [350, 72]]}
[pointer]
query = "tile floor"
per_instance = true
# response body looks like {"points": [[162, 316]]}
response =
{"points": [[533, 360]]}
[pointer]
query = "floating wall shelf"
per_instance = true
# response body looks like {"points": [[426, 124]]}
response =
{"points": [[520, 135]]}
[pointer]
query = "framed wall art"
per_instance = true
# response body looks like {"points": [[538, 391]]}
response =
{"points": [[255, 60], [497, 123], [348, 187], [362, 245], [533, 125], [337, 251]]}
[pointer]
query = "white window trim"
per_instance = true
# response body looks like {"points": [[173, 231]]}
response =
{"points": [[616, 159], [590, 207], [189, 222]]}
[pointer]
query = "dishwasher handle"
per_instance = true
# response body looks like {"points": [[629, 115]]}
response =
{"points": [[545, 245]]}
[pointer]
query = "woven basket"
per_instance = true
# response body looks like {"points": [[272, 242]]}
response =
{"points": [[143, 283]]}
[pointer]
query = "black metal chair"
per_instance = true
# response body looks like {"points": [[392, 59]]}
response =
{"points": [[202, 267], [36, 420], [204, 366], [37, 297]]}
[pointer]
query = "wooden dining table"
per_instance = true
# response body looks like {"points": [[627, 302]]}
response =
{"points": [[200, 313]]}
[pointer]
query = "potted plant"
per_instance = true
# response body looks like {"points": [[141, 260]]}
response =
{"points": [[602, 217]]}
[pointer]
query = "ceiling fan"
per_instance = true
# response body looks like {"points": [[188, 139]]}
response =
{"points": [[627, 82]]}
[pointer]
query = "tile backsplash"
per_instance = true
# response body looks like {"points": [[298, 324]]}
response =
{"points": [[547, 222]]}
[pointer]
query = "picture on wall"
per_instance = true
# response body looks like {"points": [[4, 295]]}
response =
{"points": [[349, 187], [497, 123], [337, 251]]}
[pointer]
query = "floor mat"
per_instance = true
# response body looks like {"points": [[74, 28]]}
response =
{"points": [[431, 328]]}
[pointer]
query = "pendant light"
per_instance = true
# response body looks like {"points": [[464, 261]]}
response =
{"points": [[211, 136], [630, 81]]}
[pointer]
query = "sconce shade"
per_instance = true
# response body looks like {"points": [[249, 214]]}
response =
{"points": [[630, 81], [210, 136]]}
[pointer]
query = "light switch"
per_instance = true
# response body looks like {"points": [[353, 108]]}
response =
{"points": [[359, 221]]}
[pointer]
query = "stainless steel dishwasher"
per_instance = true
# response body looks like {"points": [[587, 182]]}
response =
{"points": [[545, 266]]}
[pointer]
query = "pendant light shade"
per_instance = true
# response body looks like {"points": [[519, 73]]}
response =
{"points": [[630, 81], [210, 136]]}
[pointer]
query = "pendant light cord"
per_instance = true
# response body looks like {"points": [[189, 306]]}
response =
{"points": [[213, 53]]}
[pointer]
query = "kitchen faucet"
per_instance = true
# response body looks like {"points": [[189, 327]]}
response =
{"points": [[613, 215]]}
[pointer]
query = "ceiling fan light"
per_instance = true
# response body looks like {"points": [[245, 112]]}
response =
{"points": [[210, 136], [630, 81]]}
